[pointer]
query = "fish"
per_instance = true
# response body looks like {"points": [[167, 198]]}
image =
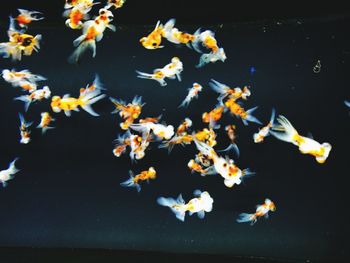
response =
{"points": [[207, 136], [202, 203], [194, 166], [213, 116], [237, 110], [173, 35], [171, 70], [231, 133], [134, 180], [19, 43], [183, 139], [211, 57], [261, 211], [25, 17], [46, 120], [72, 3], [8, 174], [115, 4], [84, 101], [162, 131], [76, 16], [184, 126], [37, 95], [24, 129], [265, 131], [286, 132], [226, 91], [231, 173], [23, 79], [205, 39], [129, 112], [192, 93], [92, 32], [154, 39]]}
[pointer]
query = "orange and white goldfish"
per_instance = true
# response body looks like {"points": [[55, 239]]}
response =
{"points": [[265, 131], [92, 32], [160, 130], [76, 16], [45, 121], [129, 112], [225, 167], [115, 3], [286, 132], [239, 111], [204, 39], [212, 57], [24, 130], [231, 133], [151, 119], [213, 116], [73, 3], [19, 43], [195, 166], [184, 126], [25, 17], [173, 35], [85, 100], [207, 136], [183, 139], [24, 79], [154, 39], [8, 174], [37, 95], [225, 91], [201, 204], [261, 211], [134, 180], [171, 70], [192, 93]]}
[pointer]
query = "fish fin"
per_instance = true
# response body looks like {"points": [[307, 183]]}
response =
{"points": [[232, 147], [26, 100], [197, 192], [67, 113], [45, 129], [245, 217], [201, 214], [250, 117]]}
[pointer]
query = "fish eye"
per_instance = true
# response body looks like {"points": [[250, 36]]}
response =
{"points": [[102, 12], [154, 44], [224, 165], [26, 42]]}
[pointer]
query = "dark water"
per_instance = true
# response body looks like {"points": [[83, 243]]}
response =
{"points": [[68, 194]]}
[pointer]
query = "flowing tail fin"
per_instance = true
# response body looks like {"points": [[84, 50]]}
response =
{"points": [[285, 131], [273, 116], [176, 206], [185, 102], [131, 182], [82, 45], [232, 147], [143, 75], [12, 167], [250, 117], [26, 99], [90, 98], [244, 217]]}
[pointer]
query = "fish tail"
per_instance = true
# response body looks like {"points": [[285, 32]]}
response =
{"points": [[27, 101], [250, 117], [82, 45], [12, 167], [185, 102], [273, 116], [244, 217], [232, 147], [285, 131], [175, 205], [131, 182], [87, 99]]}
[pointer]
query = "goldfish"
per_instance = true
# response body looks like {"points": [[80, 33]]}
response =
{"points": [[182, 139], [286, 132], [76, 15], [239, 111], [184, 126], [8, 174], [24, 79], [92, 32], [37, 95], [175, 36], [25, 17], [205, 39], [154, 39], [160, 130], [225, 91], [202, 203], [85, 100], [115, 3], [171, 70], [261, 210], [192, 93], [151, 119], [194, 166], [24, 130], [212, 57], [73, 3], [19, 43], [45, 121], [231, 133], [231, 173], [206, 135], [265, 131], [129, 112], [213, 116], [134, 180]]}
